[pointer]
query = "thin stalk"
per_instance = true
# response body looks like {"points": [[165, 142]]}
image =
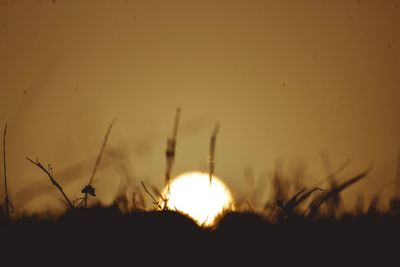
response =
{"points": [[6, 200], [53, 180], [170, 155], [211, 157], [96, 165], [171, 145]]}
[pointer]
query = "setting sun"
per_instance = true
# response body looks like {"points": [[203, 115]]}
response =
{"points": [[193, 194]]}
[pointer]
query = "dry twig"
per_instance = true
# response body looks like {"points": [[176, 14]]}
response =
{"points": [[155, 202], [49, 173], [8, 204]]}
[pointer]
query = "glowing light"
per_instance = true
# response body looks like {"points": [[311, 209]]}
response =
{"points": [[192, 194]]}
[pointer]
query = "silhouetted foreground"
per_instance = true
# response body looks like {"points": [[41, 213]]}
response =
{"points": [[105, 237]]}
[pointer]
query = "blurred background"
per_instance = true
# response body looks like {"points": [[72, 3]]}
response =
{"points": [[300, 86]]}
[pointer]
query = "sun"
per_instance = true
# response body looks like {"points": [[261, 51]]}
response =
{"points": [[193, 194]]}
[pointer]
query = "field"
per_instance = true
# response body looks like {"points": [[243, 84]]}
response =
{"points": [[298, 225], [96, 235], [210, 133]]}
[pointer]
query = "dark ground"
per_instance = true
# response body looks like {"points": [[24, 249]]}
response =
{"points": [[105, 237]]}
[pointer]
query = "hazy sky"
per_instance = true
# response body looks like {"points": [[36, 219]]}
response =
{"points": [[285, 79]]}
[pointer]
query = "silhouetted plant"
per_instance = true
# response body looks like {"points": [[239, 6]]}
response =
{"points": [[170, 154], [289, 208], [211, 157], [89, 189], [49, 172], [9, 208], [154, 200], [373, 206], [332, 194]]}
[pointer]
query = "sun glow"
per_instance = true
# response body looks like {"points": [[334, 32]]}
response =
{"points": [[192, 194]]}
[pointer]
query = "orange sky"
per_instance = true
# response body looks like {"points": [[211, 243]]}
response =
{"points": [[285, 79]]}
